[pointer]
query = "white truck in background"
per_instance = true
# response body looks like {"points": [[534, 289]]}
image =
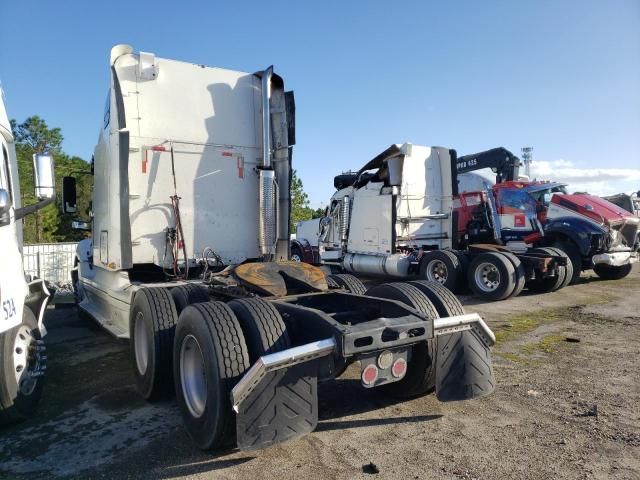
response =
{"points": [[22, 303], [405, 214], [629, 201], [189, 261]]}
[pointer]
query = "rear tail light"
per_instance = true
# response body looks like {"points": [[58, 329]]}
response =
{"points": [[370, 374], [399, 368]]}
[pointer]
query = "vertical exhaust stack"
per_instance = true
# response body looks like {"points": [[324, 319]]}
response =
{"points": [[267, 175], [344, 219]]}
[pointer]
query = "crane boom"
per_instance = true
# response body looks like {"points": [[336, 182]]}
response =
{"points": [[504, 163]]}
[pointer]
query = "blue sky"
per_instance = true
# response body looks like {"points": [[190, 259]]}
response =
{"points": [[561, 76]]}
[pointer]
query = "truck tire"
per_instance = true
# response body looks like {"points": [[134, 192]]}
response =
{"points": [[350, 283], [264, 330], [211, 357], [184, 295], [331, 283], [569, 267], [296, 254], [445, 302], [463, 258], [572, 251], [421, 372], [548, 284], [19, 396], [609, 272], [442, 266], [492, 276], [151, 330], [521, 275]]}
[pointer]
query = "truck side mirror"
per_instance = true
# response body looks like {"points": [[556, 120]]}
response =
{"points": [[44, 179], [5, 206], [69, 200]]}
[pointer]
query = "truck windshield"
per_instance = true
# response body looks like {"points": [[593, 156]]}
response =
{"points": [[543, 197], [516, 201]]}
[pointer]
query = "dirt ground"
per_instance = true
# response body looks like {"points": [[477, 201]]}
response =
{"points": [[566, 405]]}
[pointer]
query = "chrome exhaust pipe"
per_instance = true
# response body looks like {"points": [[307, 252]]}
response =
{"points": [[266, 117], [344, 219], [268, 211]]}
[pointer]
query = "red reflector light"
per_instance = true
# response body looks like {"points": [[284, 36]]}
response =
{"points": [[227, 154], [369, 374], [180, 244], [158, 149], [399, 368]]}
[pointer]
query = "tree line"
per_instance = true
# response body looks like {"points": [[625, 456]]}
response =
{"points": [[50, 224]]}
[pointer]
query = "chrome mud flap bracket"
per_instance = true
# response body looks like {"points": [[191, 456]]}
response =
{"points": [[463, 359], [277, 399]]}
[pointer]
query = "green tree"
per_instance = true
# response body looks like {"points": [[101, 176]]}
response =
{"points": [[49, 224], [35, 135], [300, 209], [318, 212]]}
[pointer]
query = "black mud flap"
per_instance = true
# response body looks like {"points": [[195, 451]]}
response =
{"points": [[463, 367], [283, 406]]}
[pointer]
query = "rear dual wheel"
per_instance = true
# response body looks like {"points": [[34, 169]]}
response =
{"points": [[492, 276], [562, 277], [214, 346], [421, 370], [151, 332], [184, 295], [570, 249], [348, 282], [444, 267]]}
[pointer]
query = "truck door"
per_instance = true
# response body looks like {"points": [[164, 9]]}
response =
{"points": [[12, 283]]}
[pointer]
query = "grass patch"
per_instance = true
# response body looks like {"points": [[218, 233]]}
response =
{"points": [[515, 358], [519, 325], [548, 344], [525, 355]]}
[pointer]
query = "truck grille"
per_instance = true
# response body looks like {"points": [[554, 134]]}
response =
{"points": [[628, 230]]}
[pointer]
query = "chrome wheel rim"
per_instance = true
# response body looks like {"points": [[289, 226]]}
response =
{"points": [[192, 376], [437, 271], [26, 360], [295, 257], [487, 277], [141, 344]]}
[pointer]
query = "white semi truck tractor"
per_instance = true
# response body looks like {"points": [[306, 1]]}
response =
{"points": [[407, 213], [22, 303], [189, 261]]}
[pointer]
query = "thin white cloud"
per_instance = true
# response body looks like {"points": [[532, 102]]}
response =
{"points": [[597, 181]]}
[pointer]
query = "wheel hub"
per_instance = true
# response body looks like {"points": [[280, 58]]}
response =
{"points": [[29, 361], [141, 343], [487, 277], [192, 376], [437, 271]]}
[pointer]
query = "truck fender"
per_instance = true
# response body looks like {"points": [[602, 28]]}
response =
{"points": [[37, 300], [305, 247], [578, 230], [84, 250]]}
